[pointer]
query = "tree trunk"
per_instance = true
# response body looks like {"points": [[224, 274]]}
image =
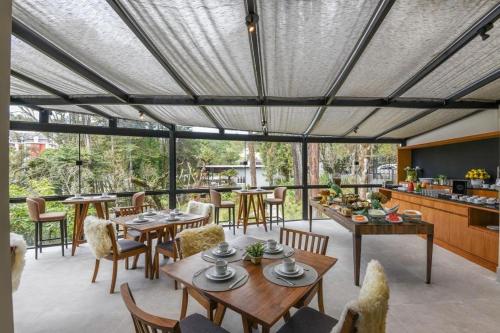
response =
{"points": [[297, 167], [364, 157], [253, 168], [313, 163]]}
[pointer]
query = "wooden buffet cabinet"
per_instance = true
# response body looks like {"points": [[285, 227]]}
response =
{"points": [[458, 227]]}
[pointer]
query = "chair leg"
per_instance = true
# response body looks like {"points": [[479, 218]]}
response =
{"points": [[66, 232], [113, 277], [61, 227], [96, 269], [219, 314], [283, 213], [286, 316], [40, 236], [126, 263], [36, 240], [217, 215], [184, 304], [156, 265], [234, 220], [321, 306], [271, 216]]}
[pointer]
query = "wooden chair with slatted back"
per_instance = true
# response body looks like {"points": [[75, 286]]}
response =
{"points": [[311, 242], [147, 323]]}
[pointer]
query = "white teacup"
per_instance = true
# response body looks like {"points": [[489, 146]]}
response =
{"points": [[141, 216], [220, 267], [223, 247], [171, 215], [176, 211], [271, 244], [289, 264]]}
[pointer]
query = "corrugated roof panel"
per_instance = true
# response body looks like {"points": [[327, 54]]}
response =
{"points": [[181, 115], [19, 87], [336, 121], [489, 91], [293, 120], [238, 117]]}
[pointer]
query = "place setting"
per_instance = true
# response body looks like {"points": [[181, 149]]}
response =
{"points": [[289, 273], [220, 277], [140, 219], [274, 250], [223, 251]]}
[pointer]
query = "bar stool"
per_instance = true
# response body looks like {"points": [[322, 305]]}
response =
{"points": [[216, 200], [36, 210], [278, 200]]}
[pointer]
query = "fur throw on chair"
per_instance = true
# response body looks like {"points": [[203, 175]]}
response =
{"points": [[195, 240], [17, 256], [201, 208], [97, 235], [372, 303]]}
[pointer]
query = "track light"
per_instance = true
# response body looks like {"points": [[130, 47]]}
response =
{"points": [[141, 115], [251, 21], [355, 130], [484, 30]]}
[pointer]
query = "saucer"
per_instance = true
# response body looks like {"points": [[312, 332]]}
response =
{"points": [[139, 221], [150, 214], [212, 275], [278, 249], [279, 269], [228, 253], [169, 219]]}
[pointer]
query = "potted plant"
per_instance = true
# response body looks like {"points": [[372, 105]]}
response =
{"points": [[477, 177], [255, 252]]}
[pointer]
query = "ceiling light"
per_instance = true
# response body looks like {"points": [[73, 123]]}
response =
{"points": [[355, 130], [251, 21], [483, 31], [141, 115]]}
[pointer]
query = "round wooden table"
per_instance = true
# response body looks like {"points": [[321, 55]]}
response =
{"points": [[251, 200], [81, 209]]}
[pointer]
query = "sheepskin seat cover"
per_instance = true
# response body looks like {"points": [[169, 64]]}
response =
{"points": [[372, 303], [17, 264], [97, 235], [201, 208], [200, 239]]}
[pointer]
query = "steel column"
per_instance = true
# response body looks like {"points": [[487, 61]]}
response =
{"points": [[172, 169], [305, 190]]}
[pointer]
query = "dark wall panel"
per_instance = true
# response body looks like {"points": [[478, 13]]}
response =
{"points": [[454, 160]]}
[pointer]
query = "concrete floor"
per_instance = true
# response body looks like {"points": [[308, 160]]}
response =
{"points": [[56, 295]]}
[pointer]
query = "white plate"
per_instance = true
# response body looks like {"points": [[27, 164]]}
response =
{"points": [[150, 214], [299, 271], [172, 220], [229, 252], [278, 249], [140, 221], [211, 275]]}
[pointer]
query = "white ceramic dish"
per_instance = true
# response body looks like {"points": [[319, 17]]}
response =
{"points": [[212, 275], [278, 249], [279, 269], [228, 253]]}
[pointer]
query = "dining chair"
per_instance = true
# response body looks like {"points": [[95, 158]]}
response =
{"points": [[278, 200], [191, 242], [166, 242], [216, 200], [311, 242], [145, 322], [201, 208], [103, 243], [136, 207], [38, 215], [366, 314]]}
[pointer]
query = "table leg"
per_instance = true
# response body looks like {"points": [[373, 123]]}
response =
{"points": [[430, 243], [240, 209], [247, 324], [220, 311], [149, 264], [75, 230], [310, 218], [245, 213], [356, 248], [265, 329], [106, 210], [98, 210], [262, 209]]}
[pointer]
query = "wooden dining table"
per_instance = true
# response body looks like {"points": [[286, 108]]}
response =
{"points": [[157, 225], [81, 210], [358, 230], [251, 201], [259, 301]]}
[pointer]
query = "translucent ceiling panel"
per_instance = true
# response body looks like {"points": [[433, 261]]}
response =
{"points": [[336, 121], [19, 87], [429, 122], [119, 111], [471, 63], [238, 117], [489, 91], [384, 119], [412, 33], [293, 120], [95, 35], [181, 115], [40, 67], [305, 43], [206, 41]]}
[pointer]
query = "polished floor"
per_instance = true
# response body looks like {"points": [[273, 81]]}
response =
{"points": [[56, 295]]}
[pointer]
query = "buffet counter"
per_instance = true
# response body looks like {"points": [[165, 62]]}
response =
{"points": [[458, 226]]}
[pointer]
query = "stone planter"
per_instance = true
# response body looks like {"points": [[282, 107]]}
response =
{"points": [[255, 260], [476, 183]]}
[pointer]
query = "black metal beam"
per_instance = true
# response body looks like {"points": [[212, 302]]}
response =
{"points": [[254, 41], [129, 20], [172, 170], [448, 123], [43, 45], [371, 28], [305, 181], [407, 103], [449, 51], [348, 139], [56, 92], [361, 122], [406, 122], [43, 116]]}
